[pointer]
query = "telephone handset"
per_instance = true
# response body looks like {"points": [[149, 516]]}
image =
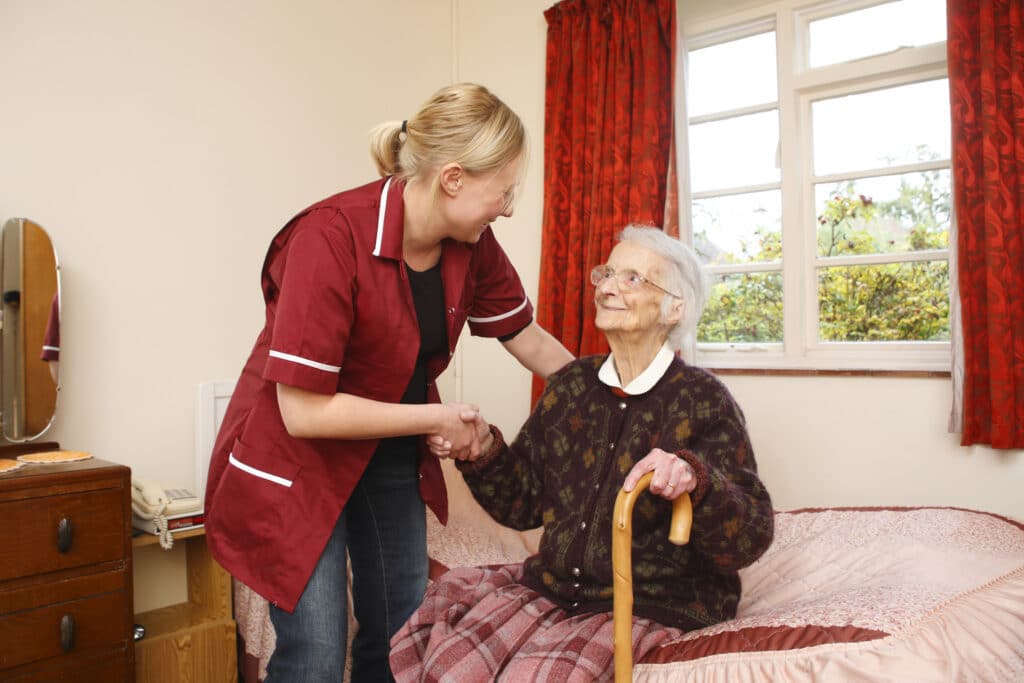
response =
{"points": [[151, 501]]}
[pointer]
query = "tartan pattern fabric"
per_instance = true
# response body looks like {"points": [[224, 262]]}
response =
{"points": [[482, 624], [565, 469]]}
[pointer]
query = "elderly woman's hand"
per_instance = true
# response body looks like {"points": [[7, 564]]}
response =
{"points": [[673, 476]]}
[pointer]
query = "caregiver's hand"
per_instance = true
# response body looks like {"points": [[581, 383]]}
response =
{"points": [[444, 448]]}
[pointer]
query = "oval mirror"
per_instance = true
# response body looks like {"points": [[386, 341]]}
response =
{"points": [[29, 330]]}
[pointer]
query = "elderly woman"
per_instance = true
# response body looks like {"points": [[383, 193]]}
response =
{"points": [[601, 424]]}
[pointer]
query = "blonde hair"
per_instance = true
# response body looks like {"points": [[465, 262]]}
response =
{"points": [[463, 123]]}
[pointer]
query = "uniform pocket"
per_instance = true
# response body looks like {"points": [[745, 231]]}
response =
{"points": [[269, 468], [255, 497]]}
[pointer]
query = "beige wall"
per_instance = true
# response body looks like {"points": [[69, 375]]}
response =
{"points": [[162, 144]]}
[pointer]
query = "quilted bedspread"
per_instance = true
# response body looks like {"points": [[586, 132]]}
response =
{"points": [[847, 595]]}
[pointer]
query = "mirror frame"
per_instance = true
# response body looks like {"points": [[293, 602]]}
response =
{"points": [[31, 303]]}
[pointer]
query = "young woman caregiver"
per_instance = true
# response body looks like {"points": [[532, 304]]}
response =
{"points": [[320, 450]]}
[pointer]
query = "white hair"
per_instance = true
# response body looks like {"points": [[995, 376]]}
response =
{"points": [[684, 276]]}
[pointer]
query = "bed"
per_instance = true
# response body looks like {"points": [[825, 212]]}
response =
{"points": [[844, 594]]}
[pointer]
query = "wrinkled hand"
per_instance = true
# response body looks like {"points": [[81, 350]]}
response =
{"points": [[673, 476], [465, 440]]}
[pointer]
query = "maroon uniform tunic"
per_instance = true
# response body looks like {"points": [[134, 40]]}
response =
{"points": [[339, 318]]}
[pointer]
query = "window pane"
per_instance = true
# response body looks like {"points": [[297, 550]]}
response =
{"points": [[732, 75], [891, 302], [882, 128], [743, 308], [738, 228], [889, 214], [734, 152], [877, 30]]}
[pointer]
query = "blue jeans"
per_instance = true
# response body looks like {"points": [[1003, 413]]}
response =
{"points": [[383, 525]]}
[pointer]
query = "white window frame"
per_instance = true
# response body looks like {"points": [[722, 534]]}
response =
{"points": [[798, 87]]}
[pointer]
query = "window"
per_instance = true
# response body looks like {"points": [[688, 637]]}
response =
{"points": [[819, 190]]}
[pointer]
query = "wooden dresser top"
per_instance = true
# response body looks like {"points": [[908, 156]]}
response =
{"points": [[34, 474]]}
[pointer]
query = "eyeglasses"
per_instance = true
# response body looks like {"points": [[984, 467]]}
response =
{"points": [[627, 280]]}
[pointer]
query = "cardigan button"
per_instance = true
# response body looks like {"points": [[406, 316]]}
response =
{"points": [[623, 405], [576, 571]]}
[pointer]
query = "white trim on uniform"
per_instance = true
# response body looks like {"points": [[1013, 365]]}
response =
{"points": [[380, 216], [258, 473], [496, 318], [304, 361], [50, 348]]}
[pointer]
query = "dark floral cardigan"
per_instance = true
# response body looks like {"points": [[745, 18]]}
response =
{"points": [[565, 469]]}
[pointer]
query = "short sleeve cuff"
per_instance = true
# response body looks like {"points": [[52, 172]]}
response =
{"points": [[300, 372], [502, 324]]}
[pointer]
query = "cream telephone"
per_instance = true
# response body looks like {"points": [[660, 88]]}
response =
{"points": [[152, 504]]}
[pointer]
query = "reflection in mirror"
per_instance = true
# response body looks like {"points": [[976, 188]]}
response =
{"points": [[29, 330]]}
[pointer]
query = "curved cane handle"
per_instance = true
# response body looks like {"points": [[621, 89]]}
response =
{"points": [[622, 566]]}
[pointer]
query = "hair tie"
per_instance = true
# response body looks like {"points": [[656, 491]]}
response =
{"points": [[403, 125]]}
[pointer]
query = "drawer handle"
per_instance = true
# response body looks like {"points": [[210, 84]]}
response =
{"points": [[67, 632], [65, 534]]}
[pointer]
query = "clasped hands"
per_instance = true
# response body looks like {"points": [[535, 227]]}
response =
{"points": [[466, 436]]}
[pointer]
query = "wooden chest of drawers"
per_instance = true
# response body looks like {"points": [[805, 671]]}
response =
{"points": [[66, 573]]}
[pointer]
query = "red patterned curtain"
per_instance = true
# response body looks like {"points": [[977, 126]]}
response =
{"points": [[607, 143], [986, 78]]}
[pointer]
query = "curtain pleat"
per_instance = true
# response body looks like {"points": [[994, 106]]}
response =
{"points": [[985, 45]]}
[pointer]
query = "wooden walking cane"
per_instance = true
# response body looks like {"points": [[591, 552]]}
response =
{"points": [[622, 567]]}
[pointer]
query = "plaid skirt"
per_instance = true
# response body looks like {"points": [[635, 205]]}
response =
{"points": [[480, 624]]}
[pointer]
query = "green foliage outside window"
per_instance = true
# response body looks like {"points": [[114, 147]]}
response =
{"points": [[744, 308], [886, 302]]}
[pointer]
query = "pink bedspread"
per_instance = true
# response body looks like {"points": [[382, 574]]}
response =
{"points": [[915, 594]]}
